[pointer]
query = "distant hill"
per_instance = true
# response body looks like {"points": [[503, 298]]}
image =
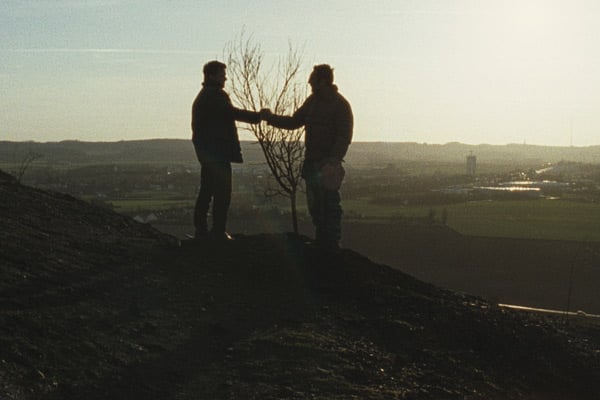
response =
{"points": [[181, 151], [517, 154], [94, 305]]}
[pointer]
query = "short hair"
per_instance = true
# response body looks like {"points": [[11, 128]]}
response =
{"points": [[213, 67], [323, 72]]}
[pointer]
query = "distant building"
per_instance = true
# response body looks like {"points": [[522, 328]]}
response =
{"points": [[471, 164]]}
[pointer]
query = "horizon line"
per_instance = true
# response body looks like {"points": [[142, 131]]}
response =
{"points": [[354, 142]]}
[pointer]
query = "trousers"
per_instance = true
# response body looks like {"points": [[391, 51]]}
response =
{"points": [[324, 206], [215, 186]]}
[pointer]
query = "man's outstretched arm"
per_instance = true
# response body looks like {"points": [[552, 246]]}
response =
{"points": [[286, 122], [251, 117]]}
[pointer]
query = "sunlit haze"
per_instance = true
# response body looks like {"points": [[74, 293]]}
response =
{"points": [[471, 71]]}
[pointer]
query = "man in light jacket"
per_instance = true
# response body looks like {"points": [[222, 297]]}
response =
{"points": [[328, 120]]}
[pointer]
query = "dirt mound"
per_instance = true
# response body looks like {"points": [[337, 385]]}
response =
{"points": [[6, 178], [94, 305]]}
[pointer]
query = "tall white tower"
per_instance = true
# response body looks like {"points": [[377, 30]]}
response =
{"points": [[471, 164]]}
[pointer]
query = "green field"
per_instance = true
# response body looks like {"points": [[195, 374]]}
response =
{"points": [[129, 206], [531, 219], [534, 219]]}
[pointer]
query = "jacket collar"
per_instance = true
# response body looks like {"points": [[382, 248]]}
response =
{"points": [[327, 92], [211, 84]]}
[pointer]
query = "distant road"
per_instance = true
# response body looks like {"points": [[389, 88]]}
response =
{"points": [[579, 314]]}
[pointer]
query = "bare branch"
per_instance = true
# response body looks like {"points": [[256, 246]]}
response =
{"points": [[254, 87]]}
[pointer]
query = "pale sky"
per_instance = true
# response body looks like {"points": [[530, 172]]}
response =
{"points": [[470, 71]]}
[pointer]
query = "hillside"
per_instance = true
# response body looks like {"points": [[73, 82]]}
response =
{"points": [[96, 306], [551, 274]]}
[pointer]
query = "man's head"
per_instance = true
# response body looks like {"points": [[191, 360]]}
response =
{"points": [[214, 72], [321, 76]]}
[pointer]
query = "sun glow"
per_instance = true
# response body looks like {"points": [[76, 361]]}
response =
{"points": [[533, 28]]}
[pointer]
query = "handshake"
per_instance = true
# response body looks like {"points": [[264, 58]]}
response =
{"points": [[265, 114]]}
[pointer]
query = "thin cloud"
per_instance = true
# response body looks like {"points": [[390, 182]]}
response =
{"points": [[105, 51]]}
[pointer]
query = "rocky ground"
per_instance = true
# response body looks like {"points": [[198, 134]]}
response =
{"points": [[96, 306]]}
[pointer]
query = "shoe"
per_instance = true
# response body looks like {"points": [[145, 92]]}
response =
{"points": [[330, 247], [325, 247], [221, 236], [200, 234]]}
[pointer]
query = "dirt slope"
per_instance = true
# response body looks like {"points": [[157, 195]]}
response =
{"points": [[96, 306]]}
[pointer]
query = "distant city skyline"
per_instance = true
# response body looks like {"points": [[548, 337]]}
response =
{"points": [[475, 72]]}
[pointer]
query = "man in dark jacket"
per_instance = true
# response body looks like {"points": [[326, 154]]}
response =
{"points": [[328, 120], [217, 145]]}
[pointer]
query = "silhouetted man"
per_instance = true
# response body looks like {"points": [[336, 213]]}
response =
{"points": [[327, 117], [217, 145]]}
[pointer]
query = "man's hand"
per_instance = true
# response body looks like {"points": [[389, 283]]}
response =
{"points": [[265, 114]]}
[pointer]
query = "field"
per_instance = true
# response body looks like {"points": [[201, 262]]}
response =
{"points": [[532, 219], [141, 205], [527, 219], [546, 219]]}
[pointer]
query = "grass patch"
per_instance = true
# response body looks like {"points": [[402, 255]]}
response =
{"points": [[531, 219], [145, 205], [536, 219]]}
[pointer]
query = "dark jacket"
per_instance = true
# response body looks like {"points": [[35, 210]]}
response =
{"points": [[215, 135], [327, 117]]}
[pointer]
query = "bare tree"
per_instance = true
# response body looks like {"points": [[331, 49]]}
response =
{"points": [[23, 164], [278, 87]]}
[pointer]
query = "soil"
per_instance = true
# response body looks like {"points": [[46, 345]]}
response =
{"points": [[94, 305]]}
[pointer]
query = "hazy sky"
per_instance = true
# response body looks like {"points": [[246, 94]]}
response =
{"points": [[472, 71]]}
